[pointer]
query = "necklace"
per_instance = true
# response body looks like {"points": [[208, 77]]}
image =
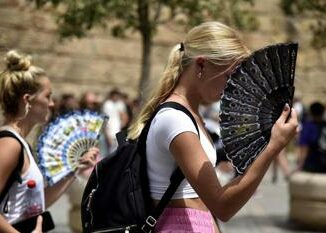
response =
{"points": [[15, 128], [184, 99]]}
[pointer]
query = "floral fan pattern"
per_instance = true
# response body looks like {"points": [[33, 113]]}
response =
{"points": [[65, 140]]}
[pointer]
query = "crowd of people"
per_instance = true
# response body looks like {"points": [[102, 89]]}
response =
{"points": [[195, 76]]}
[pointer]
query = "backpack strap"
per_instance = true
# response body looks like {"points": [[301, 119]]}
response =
{"points": [[15, 175], [176, 177]]}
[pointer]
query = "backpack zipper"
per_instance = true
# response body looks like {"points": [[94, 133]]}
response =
{"points": [[89, 204], [90, 197], [125, 229]]}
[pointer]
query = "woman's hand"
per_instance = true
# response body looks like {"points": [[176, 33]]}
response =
{"points": [[38, 228], [88, 160], [284, 128]]}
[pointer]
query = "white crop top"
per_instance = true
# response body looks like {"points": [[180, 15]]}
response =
{"points": [[166, 125], [16, 200]]}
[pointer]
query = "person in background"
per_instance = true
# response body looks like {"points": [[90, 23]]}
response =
{"points": [[89, 100], [25, 98], [112, 107], [282, 163], [312, 141], [196, 73], [68, 102]]}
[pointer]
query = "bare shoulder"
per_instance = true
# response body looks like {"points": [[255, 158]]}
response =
{"points": [[10, 150]]}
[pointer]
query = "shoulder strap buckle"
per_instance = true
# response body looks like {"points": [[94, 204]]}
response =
{"points": [[149, 224]]}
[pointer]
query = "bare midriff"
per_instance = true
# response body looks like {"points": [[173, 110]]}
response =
{"points": [[194, 203]]}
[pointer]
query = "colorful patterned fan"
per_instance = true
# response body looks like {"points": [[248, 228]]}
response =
{"points": [[65, 140], [253, 100]]}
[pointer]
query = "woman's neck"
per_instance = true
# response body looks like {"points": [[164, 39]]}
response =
{"points": [[21, 127], [186, 98], [188, 102]]}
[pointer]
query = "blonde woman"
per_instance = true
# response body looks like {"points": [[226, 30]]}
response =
{"points": [[25, 98], [196, 74]]}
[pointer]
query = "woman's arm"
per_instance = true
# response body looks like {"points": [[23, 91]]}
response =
{"points": [[225, 201], [9, 154], [5, 227], [52, 193]]}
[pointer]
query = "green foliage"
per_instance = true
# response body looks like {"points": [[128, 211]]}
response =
{"points": [[313, 9], [79, 16]]}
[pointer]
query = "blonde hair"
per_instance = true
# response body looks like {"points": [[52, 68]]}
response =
{"points": [[213, 40], [19, 78]]}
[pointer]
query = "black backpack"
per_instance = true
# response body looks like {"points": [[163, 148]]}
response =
{"points": [[117, 197]]}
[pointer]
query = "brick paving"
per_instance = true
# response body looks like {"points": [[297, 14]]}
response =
{"points": [[266, 212]]}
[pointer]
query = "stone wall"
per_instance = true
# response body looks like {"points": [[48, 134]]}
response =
{"points": [[100, 62]]}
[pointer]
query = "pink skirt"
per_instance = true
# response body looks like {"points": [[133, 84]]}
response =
{"points": [[185, 220]]}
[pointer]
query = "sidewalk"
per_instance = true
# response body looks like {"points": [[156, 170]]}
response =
{"points": [[266, 212], [59, 213]]}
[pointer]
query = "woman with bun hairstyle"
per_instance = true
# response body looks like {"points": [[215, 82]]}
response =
{"points": [[196, 73], [25, 99]]}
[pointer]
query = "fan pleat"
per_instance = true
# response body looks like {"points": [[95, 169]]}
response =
{"points": [[247, 160], [238, 143], [256, 75], [240, 93], [231, 104], [276, 65], [239, 130], [242, 158], [293, 52], [265, 66], [234, 118], [243, 79]]}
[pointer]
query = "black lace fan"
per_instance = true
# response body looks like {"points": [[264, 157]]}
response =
{"points": [[253, 100]]}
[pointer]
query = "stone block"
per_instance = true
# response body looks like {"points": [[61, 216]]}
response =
{"points": [[308, 199], [311, 214], [35, 41], [76, 47], [14, 17], [8, 39], [117, 48]]}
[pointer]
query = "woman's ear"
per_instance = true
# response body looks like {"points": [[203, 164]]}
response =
{"points": [[26, 98], [200, 63]]}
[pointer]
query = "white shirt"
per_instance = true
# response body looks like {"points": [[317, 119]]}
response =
{"points": [[166, 125], [18, 198]]}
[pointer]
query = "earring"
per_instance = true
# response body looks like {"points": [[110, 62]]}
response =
{"points": [[27, 108], [199, 75]]}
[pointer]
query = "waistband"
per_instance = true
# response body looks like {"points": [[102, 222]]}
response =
{"points": [[185, 220]]}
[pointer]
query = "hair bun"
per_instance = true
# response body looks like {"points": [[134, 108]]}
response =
{"points": [[17, 62]]}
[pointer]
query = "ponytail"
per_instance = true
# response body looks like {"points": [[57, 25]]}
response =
{"points": [[166, 86]]}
